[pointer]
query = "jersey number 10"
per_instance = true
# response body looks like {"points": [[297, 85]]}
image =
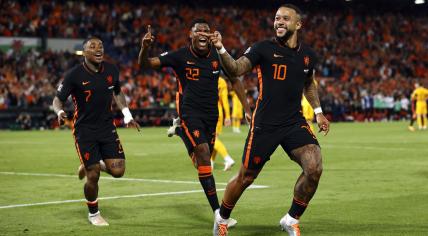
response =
{"points": [[279, 71]]}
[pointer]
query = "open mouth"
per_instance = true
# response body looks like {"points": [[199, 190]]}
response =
{"points": [[99, 55], [203, 42], [281, 30]]}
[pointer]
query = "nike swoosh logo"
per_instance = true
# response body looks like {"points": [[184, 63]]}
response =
{"points": [[111, 87], [277, 55], [85, 82], [306, 70], [190, 63], [215, 72]]}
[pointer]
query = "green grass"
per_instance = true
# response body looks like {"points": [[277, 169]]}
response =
{"points": [[375, 182]]}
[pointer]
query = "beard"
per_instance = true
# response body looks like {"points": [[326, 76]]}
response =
{"points": [[283, 39]]}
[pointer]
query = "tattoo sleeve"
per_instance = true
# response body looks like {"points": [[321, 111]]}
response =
{"points": [[311, 92], [235, 67]]}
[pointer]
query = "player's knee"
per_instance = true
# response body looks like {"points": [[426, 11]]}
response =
{"points": [[93, 175], [117, 172], [246, 179], [314, 171]]}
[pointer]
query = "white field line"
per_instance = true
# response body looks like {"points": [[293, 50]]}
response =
{"points": [[119, 179], [368, 147], [112, 197]]}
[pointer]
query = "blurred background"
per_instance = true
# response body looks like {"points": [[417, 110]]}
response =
{"points": [[371, 52]]}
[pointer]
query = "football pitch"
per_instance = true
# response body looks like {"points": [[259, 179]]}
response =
{"points": [[375, 182]]}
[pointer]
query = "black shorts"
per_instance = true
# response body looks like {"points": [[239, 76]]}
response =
{"points": [[95, 145], [196, 130], [263, 141]]}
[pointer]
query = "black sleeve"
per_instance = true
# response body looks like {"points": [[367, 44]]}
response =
{"points": [[313, 64], [65, 88], [116, 81], [170, 59], [254, 54]]}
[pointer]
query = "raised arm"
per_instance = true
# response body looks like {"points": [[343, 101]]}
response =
{"points": [[143, 57], [311, 93], [233, 67]]}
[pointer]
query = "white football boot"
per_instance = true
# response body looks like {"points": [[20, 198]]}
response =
{"points": [[97, 220], [290, 225]]}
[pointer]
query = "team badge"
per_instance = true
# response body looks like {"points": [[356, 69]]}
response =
{"points": [[257, 160], [109, 80], [87, 155], [306, 60], [215, 65], [196, 133]]}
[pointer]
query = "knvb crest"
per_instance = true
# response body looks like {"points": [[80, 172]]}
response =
{"points": [[196, 133], [215, 65], [109, 80], [306, 60]]}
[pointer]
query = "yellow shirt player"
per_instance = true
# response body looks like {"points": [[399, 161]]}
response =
{"points": [[237, 113], [420, 95], [223, 117], [308, 112]]}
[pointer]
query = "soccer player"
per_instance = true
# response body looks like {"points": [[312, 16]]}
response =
{"points": [[93, 85], [237, 113], [308, 112], [286, 69], [224, 117], [420, 95], [197, 70]]}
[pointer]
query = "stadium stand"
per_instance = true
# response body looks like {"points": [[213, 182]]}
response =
{"points": [[367, 68]]}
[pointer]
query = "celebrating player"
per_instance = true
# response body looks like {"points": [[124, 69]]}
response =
{"points": [[286, 69], [93, 85], [197, 69]]}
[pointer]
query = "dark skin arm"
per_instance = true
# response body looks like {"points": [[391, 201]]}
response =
{"points": [[311, 93], [58, 106], [121, 103], [238, 87], [143, 57]]}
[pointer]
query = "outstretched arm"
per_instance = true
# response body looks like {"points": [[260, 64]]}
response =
{"points": [[311, 93], [232, 67], [143, 56]]}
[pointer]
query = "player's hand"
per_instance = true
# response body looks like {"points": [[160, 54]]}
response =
{"points": [[414, 116], [215, 39], [62, 116], [323, 124], [133, 124], [227, 122], [148, 38]]}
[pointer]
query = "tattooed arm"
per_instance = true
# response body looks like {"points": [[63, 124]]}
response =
{"points": [[233, 67], [311, 93]]}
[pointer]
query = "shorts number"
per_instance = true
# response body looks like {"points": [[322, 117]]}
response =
{"points": [[119, 146], [192, 73], [279, 71]]}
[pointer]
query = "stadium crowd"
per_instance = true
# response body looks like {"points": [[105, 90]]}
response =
{"points": [[366, 67]]}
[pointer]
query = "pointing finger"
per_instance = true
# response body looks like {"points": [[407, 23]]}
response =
{"points": [[149, 29]]}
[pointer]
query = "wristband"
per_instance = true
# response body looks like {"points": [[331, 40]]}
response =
{"points": [[318, 110], [127, 116], [59, 112], [222, 50]]}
